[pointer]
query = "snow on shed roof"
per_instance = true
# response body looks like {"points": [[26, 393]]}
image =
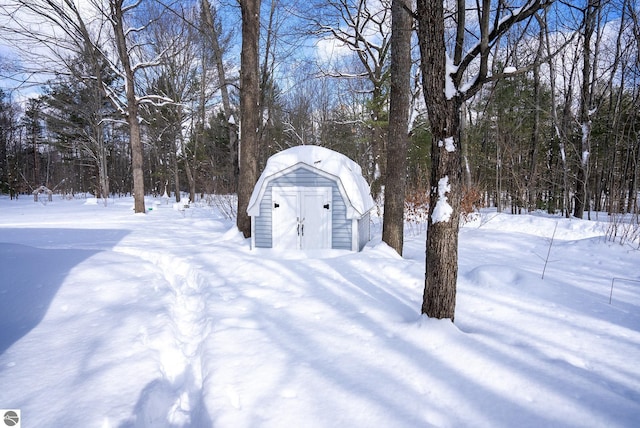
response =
{"points": [[328, 161]]}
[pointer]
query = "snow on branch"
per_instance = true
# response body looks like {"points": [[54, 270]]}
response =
{"points": [[134, 30], [158, 100], [115, 100], [153, 63], [132, 6]]}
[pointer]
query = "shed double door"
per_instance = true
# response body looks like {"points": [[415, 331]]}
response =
{"points": [[301, 217]]}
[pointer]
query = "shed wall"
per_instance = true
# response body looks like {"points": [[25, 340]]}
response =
{"points": [[302, 177], [364, 231]]}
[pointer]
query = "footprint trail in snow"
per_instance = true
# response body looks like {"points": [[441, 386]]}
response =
{"points": [[177, 397]]}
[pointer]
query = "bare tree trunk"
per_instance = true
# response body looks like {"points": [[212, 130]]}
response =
{"points": [[191, 180], [585, 113], [558, 124], [176, 175], [441, 274], [117, 20], [266, 79], [249, 110], [464, 143], [400, 99], [224, 91], [532, 184], [444, 94], [102, 167], [632, 196]]}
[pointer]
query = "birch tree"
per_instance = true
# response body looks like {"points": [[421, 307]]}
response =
{"points": [[451, 75]]}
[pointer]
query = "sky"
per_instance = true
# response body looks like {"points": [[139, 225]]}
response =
{"points": [[324, 50], [170, 319]]}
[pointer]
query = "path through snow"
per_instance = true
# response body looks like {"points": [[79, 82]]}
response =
{"points": [[177, 398]]}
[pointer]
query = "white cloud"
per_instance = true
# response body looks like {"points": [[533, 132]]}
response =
{"points": [[330, 50]]}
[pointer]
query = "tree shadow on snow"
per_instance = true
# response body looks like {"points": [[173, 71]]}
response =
{"points": [[33, 268]]}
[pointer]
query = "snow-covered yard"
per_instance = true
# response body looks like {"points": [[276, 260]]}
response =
{"points": [[169, 319]]}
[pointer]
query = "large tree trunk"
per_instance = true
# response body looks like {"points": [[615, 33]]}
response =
{"points": [[444, 94], [532, 183], [249, 110], [176, 172], [102, 167], [444, 206], [378, 162], [135, 139], [582, 177], [136, 160], [400, 99], [190, 179], [441, 275]]}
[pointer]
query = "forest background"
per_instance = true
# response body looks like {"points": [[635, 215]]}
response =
{"points": [[324, 79]]}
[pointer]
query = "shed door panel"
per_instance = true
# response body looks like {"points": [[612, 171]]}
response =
{"points": [[285, 218], [316, 218], [301, 217]]}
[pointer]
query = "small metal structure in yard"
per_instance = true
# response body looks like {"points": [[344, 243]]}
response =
{"points": [[40, 190]]}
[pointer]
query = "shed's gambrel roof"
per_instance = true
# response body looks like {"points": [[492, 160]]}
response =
{"points": [[326, 162]]}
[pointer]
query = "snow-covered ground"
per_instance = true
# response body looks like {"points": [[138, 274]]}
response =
{"points": [[169, 319]]}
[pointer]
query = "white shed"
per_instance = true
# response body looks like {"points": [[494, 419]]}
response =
{"points": [[310, 197]]}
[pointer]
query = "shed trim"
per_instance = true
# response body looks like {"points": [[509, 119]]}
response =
{"points": [[355, 244], [253, 235]]}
